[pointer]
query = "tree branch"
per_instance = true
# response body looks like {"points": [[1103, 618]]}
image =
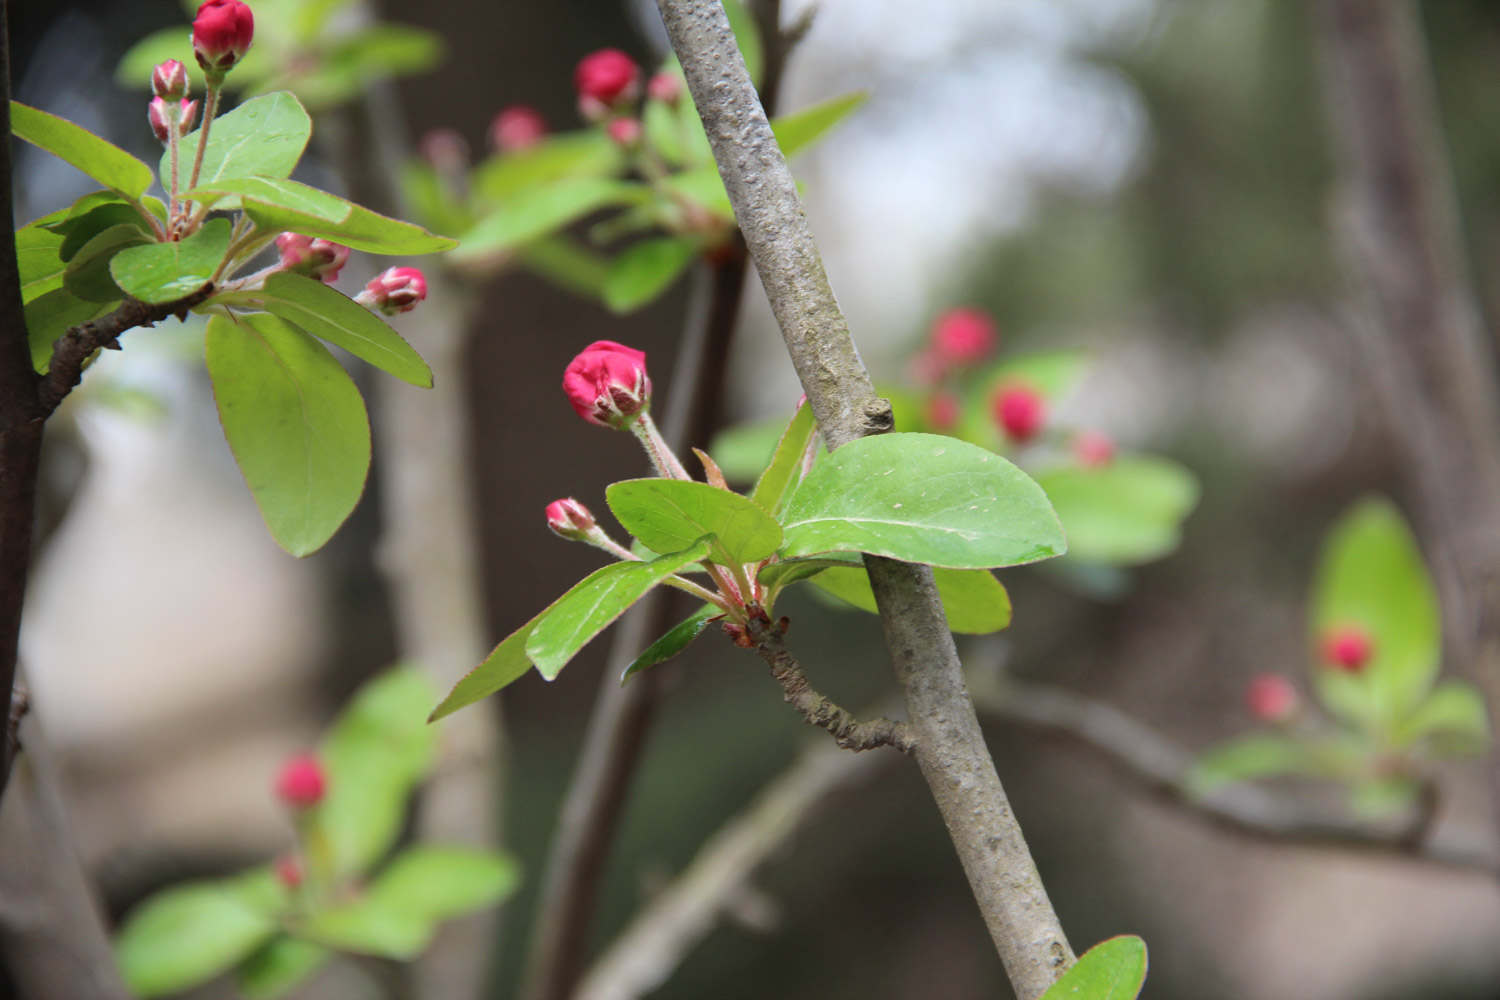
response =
{"points": [[950, 747], [818, 709]]}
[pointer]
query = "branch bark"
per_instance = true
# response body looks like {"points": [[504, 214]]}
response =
{"points": [[950, 747]]}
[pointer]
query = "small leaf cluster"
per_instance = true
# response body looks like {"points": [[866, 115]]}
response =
{"points": [[1386, 716], [351, 898]]}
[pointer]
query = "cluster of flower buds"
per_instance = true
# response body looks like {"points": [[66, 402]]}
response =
{"points": [[160, 114], [312, 256], [394, 290], [1347, 648], [608, 83], [607, 384], [222, 32]]}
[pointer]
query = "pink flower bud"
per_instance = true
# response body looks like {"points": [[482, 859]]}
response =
{"points": [[664, 87], [394, 290], [1347, 648], [1271, 698], [222, 32], [517, 127], [301, 783], [942, 411], [169, 80], [1020, 411], [570, 519], [187, 115], [1093, 449], [606, 76], [312, 256], [624, 131], [289, 871], [159, 115], [445, 149], [963, 336], [607, 383]]}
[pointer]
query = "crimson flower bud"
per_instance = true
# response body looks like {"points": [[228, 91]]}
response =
{"points": [[607, 76], [301, 783], [942, 411], [289, 871], [664, 87], [222, 32], [570, 519], [1271, 698], [159, 116], [394, 290], [607, 384], [169, 80], [1347, 648], [1093, 449], [1020, 411], [312, 256], [624, 131], [517, 127], [963, 336]]}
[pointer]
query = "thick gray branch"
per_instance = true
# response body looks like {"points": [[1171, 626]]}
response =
{"points": [[950, 747]]}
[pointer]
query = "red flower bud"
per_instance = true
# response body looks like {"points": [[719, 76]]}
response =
{"points": [[301, 783], [1093, 449], [606, 76], [624, 131], [1020, 411], [289, 871], [169, 80], [942, 411], [222, 32], [394, 290], [963, 336], [159, 115], [607, 383], [1347, 648], [664, 87], [517, 127], [1271, 698], [312, 256], [570, 519]]}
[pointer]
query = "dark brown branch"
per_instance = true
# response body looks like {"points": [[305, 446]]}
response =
{"points": [[74, 347], [817, 708]]}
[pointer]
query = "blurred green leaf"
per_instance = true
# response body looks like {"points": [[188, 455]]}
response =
{"points": [[278, 965], [1126, 512], [568, 155], [1385, 796], [165, 272], [88, 274], [431, 201], [671, 514], [975, 602], [784, 470], [544, 210], [1110, 970], [1266, 755], [49, 316], [1453, 718], [646, 269], [674, 641], [263, 137], [190, 933], [1051, 374], [566, 264], [747, 37], [743, 452], [295, 422], [77, 146], [134, 69], [343, 68]]}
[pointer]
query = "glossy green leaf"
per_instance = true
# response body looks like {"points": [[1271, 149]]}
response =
{"points": [[591, 605], [975, 602], [189, 934], [1127, 512], [585, 154], [674, 641], [784, 469], [263, 137], [1371, 576], [329, 314], [1453, 718], [671, 514], [645, 270], [49, 316], [506, 663], [295, 422], [39, 260], [376, 754], [103, 161], [1266, 755], [165, 272], [88, 274], [80, 229], [543, 210], [278, 965], [921, 498], [1110, 970]]}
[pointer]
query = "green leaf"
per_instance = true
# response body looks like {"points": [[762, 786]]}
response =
{"points": [[189, 934], [596, 601], [1110, 970], [1453, 717], [1127, 512], [645, 270], [566, 264], [921, 498], [263, 137], [296, 424], [975, 602], [103, 161], [329, 314], [165, 272], [375, 755], [743, 452], [80, 229], [399, 911], [671, 514], [506, 663], [586, 154], [1371, 576], [49, 317], [782, 574], [674, 641], [785, 466], [345, 68], [544, 210], [278, 965], [88, 273], [39, 260], [1267, 755]]}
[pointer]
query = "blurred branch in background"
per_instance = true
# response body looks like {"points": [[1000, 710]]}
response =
{"points": [[1428, 356]]}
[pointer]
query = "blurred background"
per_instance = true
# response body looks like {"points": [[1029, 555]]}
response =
{"points": [[1147, 179]]}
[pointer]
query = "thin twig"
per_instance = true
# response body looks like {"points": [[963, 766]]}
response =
{"points": [[817, 708], [950, 747]]}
